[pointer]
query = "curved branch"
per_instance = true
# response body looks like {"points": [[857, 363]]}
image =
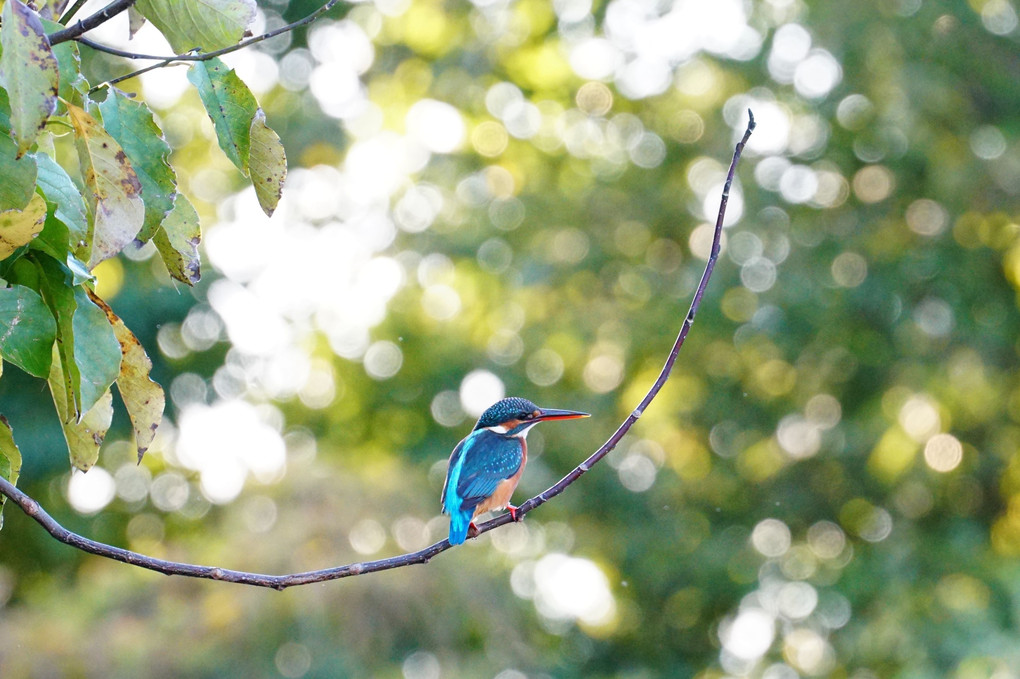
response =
{"points": [[90, 22], [667, 368], [195, 54], [279, 582]]}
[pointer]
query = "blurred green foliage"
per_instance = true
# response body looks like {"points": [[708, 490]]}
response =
{"points": [[829, 485]]}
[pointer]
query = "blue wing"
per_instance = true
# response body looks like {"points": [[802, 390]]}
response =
{"points": [[477, 466], [453, 468]]}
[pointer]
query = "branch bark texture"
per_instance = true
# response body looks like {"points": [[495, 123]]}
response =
{"points": [[90, 22]]}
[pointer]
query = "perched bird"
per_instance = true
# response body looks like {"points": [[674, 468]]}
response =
{"points": [[486, 466]]}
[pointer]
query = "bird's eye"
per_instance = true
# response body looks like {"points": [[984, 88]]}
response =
{"points": [[526, 416]]}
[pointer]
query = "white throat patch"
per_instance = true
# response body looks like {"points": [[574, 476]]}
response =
{"points": [[523, 434]]}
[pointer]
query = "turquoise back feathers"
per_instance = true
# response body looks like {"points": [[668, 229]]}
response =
{"points": [[478, 465]]}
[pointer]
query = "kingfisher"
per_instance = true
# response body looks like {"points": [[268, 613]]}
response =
{"points": [[485, 467]]}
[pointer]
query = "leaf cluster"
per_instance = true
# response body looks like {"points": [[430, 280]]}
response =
{"points": [[67, 207]]}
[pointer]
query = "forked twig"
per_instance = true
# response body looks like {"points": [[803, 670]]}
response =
{"points": [[279, 582], [195, 54]]}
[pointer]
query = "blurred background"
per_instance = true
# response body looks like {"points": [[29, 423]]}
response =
{"points": [[513, 198]]}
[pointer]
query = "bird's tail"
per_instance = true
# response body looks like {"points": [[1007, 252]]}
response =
{"points": [[459, 523]]}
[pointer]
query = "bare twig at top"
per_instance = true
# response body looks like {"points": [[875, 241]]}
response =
{"points": [[34, 510], [195, 54]]}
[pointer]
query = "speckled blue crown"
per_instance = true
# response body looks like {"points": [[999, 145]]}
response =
{"points": [[513, 408]]}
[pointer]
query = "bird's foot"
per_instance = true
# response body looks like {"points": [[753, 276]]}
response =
{"points": [[513, 513], [472, 530]]}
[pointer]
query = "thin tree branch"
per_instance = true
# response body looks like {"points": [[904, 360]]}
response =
{"points": [[117, 52], [195, 54], [667, 368], [279, 582], [90, 22], [133, 74]]}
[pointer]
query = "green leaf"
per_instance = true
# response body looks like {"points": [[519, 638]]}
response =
{"points": [[60, 190], [230, 104], [206, 24], [73, 86], [18, 175], [143, 398], [84, 436], [52, 282], [113, 192], [89, 350], [29, 72], [19, 227], [10, 459], [5, 108], [27, 330], [268, 163], [130, 123], [54, 241], [96, 349], [177, 242]]}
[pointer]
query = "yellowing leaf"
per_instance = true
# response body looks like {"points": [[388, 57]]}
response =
{"points": [[29, 72], [85, 436], [131, 123], [267, 163], [113, 192], [10, 459], [73, 85], [143, 398], [204, 24], [177, 240], [230, 105], [19, 227]]}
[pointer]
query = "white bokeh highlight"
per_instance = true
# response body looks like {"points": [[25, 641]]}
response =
{"points": [[226, 443], [89, 492]]}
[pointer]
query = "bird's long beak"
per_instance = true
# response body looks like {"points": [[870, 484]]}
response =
{"points": [[553, 414]]}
